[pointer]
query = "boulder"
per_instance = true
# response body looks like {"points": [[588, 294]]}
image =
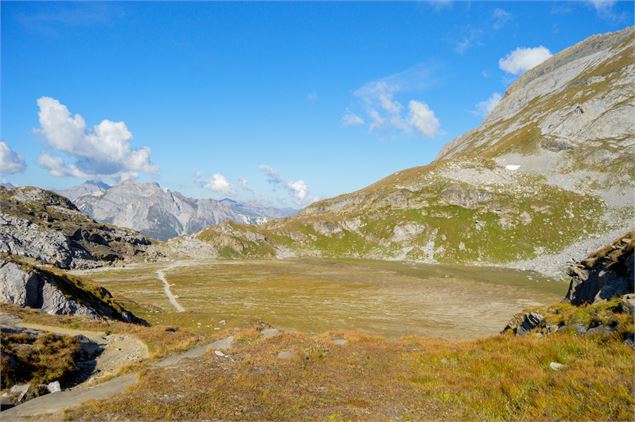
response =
{"points": [[530, 321], [54, 387]]}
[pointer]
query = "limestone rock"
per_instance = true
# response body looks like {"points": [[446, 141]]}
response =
{"points": [[47, 227], [605, 274], [30, 287]]}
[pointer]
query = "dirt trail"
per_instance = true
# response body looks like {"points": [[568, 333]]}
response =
{"points": [[166, 287], [44, 407]]}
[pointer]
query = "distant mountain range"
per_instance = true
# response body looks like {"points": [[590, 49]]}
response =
{"points": [[160, 213]]}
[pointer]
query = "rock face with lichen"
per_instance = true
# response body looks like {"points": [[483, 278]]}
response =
{"points": [[28, 286], [604, 275], [545, 179], [47, 227]]}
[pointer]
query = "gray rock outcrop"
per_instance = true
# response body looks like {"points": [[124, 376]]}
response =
{"points": [[47, 227], [605, 274], [30, 287]]}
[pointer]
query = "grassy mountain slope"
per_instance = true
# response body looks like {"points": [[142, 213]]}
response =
{"points": [[551, 165]]}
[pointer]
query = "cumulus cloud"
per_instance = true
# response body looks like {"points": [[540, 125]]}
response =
{"points": [[522, 59], [483, 108], [216, 183], [351, 119], [379, 100], [102, 151], [219, 184], [296, 188], [10, 161], [423, 119]]}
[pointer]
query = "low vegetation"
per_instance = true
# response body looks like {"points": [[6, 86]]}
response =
{"points": [[37, 358], [498, 378], [161, 340]]}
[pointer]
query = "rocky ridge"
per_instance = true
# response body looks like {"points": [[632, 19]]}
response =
{"points": [[163, 214], [544, 180], [29, 286], [48, 228]]}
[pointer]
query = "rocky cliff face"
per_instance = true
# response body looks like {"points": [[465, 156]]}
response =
{"points": [[28, 286], [603, 275], [600, 300], [47, 227], [546, 178], [163, 214]]}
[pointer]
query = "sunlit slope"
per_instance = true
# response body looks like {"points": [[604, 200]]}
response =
{"points": [[550, 166]]}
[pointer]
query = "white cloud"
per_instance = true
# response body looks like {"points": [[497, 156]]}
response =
{"points": [[101, 151], [522, 59], [423, 119], [384, 111], [501, 17], [297, 189], [219, 184], [10, 161], [483, 108], [351, 119]]}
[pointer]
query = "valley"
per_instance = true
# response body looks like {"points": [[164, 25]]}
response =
{"points": [[389, 299]]}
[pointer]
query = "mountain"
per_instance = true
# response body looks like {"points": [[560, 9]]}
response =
{"points": [[87, 187], [48, 228], [163, 214], [547, 177]]}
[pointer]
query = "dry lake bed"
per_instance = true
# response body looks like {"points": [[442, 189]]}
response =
{"points": [[391, 299]]}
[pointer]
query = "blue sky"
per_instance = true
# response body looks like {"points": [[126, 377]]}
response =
{"points": [[278, 102]]}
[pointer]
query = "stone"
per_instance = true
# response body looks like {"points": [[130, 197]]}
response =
{"points": [[628, 303], [530, 321], [54, 387], [599, 330], [270, 332], [285, 354], [223, 344], [579, 328], [555, 366], [339, 341], [20, 390], [219, 353], [551, 328]]}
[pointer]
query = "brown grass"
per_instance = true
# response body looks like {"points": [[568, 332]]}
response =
{"points": [[160, 340], [370, 378], [37, 359]]}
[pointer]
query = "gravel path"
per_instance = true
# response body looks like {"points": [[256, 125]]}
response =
{"points": [[166, 288]]}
